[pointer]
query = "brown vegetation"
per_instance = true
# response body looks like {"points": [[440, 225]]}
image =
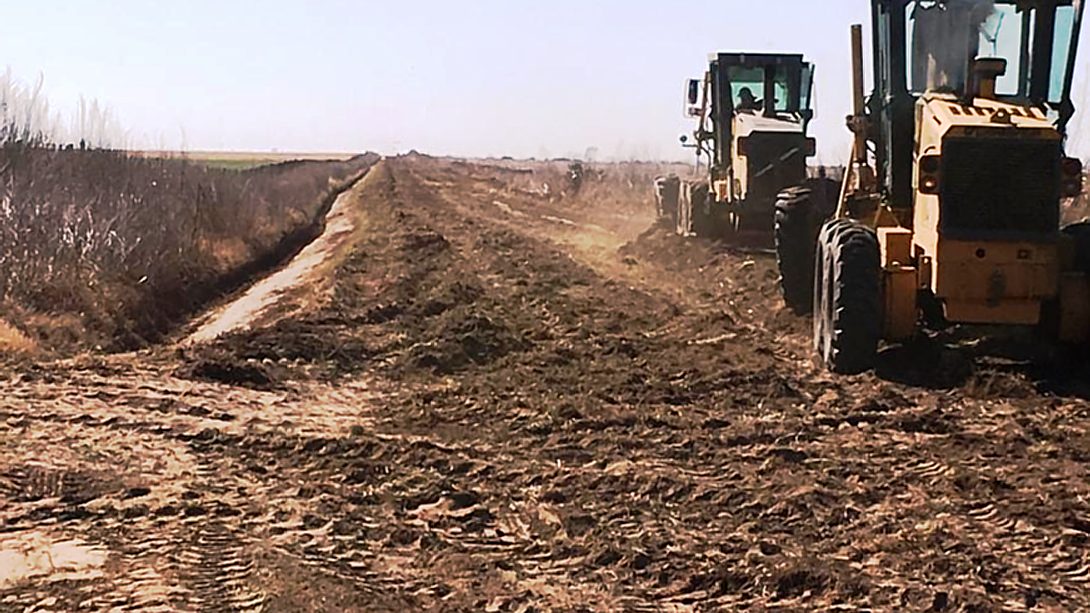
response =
{"points": [[99, 249]]}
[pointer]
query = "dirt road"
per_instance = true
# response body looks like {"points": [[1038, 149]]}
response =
{"points": [[510, 398]]}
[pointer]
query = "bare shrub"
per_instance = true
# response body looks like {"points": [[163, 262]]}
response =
{"points": [[131, 246], [26, 119], [626, 185]]}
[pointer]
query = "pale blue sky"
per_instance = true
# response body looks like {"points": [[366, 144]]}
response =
{"points": [[471, 78]]}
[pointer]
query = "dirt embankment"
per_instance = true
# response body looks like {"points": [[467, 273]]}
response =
{"points": [[502, 399]]}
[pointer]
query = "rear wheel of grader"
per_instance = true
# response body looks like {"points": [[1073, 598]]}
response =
{"points": [[1080, 234], [800, 212], [667, 192], [703, 222], [847, 297], [683, 218]]}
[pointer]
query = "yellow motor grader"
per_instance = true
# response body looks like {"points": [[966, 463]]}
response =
{"points": [[950, 206], [752, 112]]}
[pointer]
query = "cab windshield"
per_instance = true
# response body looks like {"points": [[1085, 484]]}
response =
{"points": [[945, 36], [747, 86]]}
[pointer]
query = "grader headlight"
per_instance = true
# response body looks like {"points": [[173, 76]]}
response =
{"points": [[1072, 177], [930, 170]]}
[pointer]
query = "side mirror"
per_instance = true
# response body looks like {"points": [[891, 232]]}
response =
{"points": [[808, 115], [684, 139], [694, 91]]}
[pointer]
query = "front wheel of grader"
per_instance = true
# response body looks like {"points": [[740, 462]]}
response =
{"points": [[847, 296]]}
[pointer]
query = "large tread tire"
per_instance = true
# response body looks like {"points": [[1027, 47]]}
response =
{"points": [[800, 212], [683, 218], [821, 293], [848, 297], [667, 192], [703, 222], [1080, 233], [1049, 326], [795, 238]]}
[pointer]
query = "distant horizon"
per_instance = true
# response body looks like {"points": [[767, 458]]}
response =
{"points": [[282, 153]]}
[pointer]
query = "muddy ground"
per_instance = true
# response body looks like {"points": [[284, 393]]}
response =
{"points": [[512, 398]]}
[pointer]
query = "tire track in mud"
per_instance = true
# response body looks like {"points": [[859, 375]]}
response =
{"points": [[212, 555], [143, 524], [835, 444], [179, 522]]}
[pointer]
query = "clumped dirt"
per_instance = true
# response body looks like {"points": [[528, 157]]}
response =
{"points": [[549, 405], [215, 364]]}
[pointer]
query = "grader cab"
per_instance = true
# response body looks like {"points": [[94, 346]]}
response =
{"points": [[950, 207]]}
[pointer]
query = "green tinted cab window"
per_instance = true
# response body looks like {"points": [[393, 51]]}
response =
{"points": [[1061, 49], [754, 79]]}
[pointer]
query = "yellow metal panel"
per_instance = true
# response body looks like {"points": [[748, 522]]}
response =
{"points": [[1010, 312], [979, 271], [926, 236], [896, 244], [900, 303], [946, 110], [985, 282]]}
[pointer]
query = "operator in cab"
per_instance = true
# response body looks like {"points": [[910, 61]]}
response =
{"points": [[746, 100]]}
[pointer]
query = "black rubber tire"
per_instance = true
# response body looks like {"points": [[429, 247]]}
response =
{"points": [[1049, 326], [1080, 233], [683, 218], [795, 238], [822, 262], [703, 223], [848, 297], [800, 212]]}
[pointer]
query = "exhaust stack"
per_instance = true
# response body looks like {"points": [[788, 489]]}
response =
{"points": [[859, 107], [985, 72]]}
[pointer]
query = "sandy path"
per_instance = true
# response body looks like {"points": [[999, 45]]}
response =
{"points": [[244, 312]]}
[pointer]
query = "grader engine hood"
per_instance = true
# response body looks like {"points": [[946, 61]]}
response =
{"points": [[943, 114], [988, 179], [748, 123], [772, 153], [986, 170]]}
